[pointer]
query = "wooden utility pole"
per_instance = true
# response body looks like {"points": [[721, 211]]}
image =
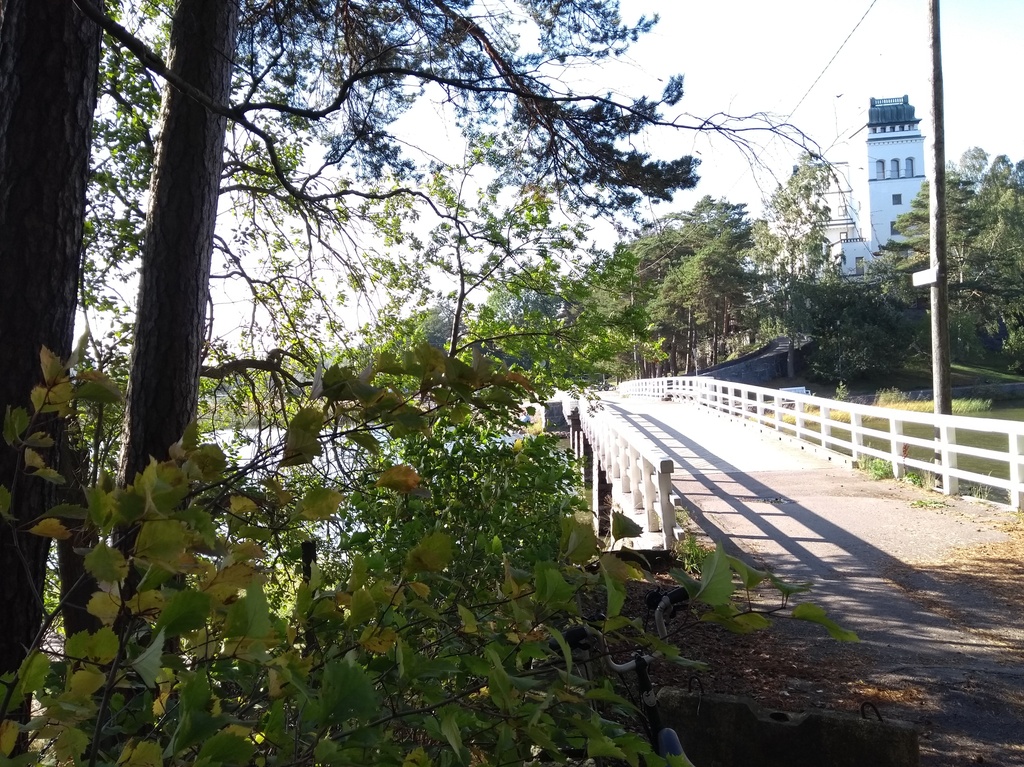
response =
{"points": [[937, 229]]}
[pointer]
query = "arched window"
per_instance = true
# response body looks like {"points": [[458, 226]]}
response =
{"points": [[908, 167], [895, 168], [880, 170]]}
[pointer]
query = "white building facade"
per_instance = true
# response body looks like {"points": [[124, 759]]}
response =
{"points": [[895, 170]]}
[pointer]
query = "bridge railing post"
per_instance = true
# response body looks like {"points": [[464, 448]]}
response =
{"points": [[948, 453], [856, 436], [666, 503], [896, 446], [650, 496], [636, 478], [1016, 450]]}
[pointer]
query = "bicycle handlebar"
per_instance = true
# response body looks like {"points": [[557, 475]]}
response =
{"points": [[576, 635]]}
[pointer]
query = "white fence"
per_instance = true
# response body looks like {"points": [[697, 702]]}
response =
{"points": [[945, 446], [640, 473]]}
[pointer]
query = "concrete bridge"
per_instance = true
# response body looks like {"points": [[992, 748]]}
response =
{"points": [[771, 475]]}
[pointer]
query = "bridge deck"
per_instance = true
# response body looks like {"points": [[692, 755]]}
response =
{"points": [[807, 517]]}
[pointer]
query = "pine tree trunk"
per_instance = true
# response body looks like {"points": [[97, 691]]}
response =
{"points": [[49, 55], [174, 287]]}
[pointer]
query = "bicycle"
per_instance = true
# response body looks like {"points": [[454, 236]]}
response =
{"points": [[664, 740]]}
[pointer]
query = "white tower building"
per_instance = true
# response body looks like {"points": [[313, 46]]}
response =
{"points": [[895, 165], [895, 173]]}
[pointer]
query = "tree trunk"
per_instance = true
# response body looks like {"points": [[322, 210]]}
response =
{"points": [[163, 389], [49, 56]]}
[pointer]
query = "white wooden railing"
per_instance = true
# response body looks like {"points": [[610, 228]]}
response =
{"points": [[937, 445], [640, 472]]}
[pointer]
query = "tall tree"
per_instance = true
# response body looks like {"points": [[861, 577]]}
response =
{"points": [[170, 327], [790, 249], [48, 64]]}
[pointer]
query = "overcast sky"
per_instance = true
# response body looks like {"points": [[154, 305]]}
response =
{"points": [[746, 56]]}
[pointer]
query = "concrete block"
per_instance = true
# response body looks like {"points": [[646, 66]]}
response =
{"points": [[730, 731]]}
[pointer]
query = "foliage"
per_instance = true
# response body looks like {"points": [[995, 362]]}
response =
{"points": [[858, 332], [789, 249], [985, 248], [694, 282], [218, 646], [878, 468]]}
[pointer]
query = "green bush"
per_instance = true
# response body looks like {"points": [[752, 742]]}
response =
{"points": [[444, 584], [878, 468]]}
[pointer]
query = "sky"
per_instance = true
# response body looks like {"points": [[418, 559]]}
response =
{"points": [[818, 63]]}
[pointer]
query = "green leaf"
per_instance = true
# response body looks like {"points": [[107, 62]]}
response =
{"points": [[147, 665], [320, 503], [808, 611], [616, 591], [788, 589], [552, 588], [5, 504], [31, 674], [106, 564], [348, 693], [98, 387], [624, 527], [453, 734], [302, 440], [750, 576], [431, 555], [365, 440], [227, 748], [185, 611], [579, 542], [100, 646], [716, 579], [15, 423]]}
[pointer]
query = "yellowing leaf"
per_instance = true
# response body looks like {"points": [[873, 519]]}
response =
{"points": [[8, 736], [402, 478], [104, 606], [230, 580], [144, 753], [419, 589], [106, 564], [417, 758], [51, 365], [241, 504], [432, 554], [50, 528], [161, 542], [85, 682], [468, 620], [378, 640], [320, 503]]}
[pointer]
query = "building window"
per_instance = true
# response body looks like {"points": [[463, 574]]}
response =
{"points": [[859, 268], [895, 168], [908, 167], [897, 199], [892, 228], [880, 170], [844, 235]]}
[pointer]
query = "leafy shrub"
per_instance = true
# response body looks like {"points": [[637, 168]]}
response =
{"points": [[418, 643], [878, 468]]}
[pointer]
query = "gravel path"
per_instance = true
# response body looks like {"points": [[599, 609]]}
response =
{"points": [[872, 549]]}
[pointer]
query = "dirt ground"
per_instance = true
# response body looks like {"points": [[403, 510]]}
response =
{"points": [[794, 672]]}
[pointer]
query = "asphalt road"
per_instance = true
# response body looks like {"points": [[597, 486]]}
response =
{"points": [[866, 548]]}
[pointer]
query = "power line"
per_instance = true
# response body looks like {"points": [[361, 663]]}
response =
{"points": [[825, 69]]}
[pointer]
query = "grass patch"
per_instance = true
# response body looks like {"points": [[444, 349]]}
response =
{"points": [[691, 553], [898, 400], [927, 504]]}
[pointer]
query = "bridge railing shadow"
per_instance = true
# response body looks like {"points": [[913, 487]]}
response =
{"points": [[855, 579]]}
